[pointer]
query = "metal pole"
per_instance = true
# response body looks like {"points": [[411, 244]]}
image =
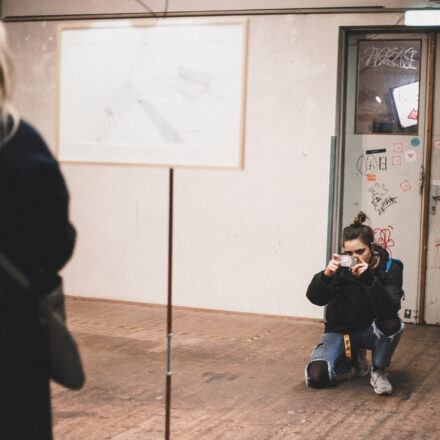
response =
{"points": [[169, 308]]}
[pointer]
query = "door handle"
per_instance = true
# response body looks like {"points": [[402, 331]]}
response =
{"points": [[433, 199]]}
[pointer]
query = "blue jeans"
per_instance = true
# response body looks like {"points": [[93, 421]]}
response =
{"points": [[331, 349]]}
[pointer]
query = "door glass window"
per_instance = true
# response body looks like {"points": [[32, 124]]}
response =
{"points": [[387, 98]]}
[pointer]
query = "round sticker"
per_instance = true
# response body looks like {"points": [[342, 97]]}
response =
{"points": [[415, 142], [411, 156], [366, 164]]}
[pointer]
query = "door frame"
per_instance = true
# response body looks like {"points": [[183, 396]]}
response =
{"points": [[335, 201], [427, 174]]}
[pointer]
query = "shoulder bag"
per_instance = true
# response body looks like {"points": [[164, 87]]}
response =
{"points": [[65, 361]]}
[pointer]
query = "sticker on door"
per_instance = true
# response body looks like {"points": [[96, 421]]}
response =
{"points": [[396, 161], [415, 142], [410, 156], [366, 164], [405, 186]]}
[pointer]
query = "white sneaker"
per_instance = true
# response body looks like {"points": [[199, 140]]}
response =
{"points": [[361, 365], [379, 381]]}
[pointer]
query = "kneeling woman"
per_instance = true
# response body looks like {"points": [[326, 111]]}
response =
{"points": [[362, 304]]}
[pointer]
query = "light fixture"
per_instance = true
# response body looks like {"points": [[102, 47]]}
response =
{"points": [[429, 17]]}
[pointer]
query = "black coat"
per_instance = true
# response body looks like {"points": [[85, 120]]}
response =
{"points": [[36, 235], [353, 303]]}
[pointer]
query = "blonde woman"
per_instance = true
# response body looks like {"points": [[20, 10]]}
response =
{"points": [[36, 235]]}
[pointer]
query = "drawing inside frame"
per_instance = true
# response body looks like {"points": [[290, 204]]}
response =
{"points": [[168, 93]]}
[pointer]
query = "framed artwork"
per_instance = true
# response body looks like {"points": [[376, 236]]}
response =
{"points": [[165, 92]]}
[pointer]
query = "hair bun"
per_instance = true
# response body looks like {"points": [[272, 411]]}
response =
{"points": [[360, 218]]}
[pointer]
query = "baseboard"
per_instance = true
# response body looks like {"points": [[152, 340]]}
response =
{"points": [[191, 309]]}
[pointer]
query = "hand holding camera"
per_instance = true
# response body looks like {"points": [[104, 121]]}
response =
{"points": [[356, 265], [333, 266], [360, 267]]}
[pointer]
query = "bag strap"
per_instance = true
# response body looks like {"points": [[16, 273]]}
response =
{"points": [[347, 345], [390, 262], [15, 273]]}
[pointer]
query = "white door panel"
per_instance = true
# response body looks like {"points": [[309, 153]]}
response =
{"points": [[382, 171]]}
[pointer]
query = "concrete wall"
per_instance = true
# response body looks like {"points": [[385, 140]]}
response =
{"points": [[244, 240]]}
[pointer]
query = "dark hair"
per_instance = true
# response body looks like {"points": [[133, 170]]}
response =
{"points": [[358, 230]]}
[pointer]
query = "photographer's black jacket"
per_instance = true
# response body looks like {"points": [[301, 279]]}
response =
{"points": [[353, 303]]}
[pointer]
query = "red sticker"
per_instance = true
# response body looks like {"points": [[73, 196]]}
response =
{"points": [[396, 161], [405, 186], [398, 148], [371, 177], [413, 114]]}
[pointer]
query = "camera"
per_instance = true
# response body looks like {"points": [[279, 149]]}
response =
{"points": [[348, 260]]}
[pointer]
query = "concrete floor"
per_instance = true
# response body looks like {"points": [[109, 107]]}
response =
{"points": [[234, 377]]}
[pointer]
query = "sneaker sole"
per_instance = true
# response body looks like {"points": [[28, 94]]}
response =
{"points": [[383, 393]]}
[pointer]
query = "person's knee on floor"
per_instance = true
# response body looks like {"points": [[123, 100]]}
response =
{"points": [[318, 375], [388, 326]]}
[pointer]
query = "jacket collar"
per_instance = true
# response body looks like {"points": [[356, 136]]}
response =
{"points": [[384, 256]]}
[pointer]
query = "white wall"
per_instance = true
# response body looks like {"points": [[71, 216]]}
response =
{"points": [[244, 240]]}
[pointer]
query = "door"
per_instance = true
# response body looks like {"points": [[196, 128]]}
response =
{"points": [[432, 291], [383, 146]]}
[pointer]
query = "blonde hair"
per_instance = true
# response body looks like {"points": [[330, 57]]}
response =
{"points": [[6, 87]]}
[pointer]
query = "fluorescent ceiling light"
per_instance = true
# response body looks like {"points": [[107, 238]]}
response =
{"points": [[422, 18]]}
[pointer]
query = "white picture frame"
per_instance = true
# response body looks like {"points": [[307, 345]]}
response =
{"points": [[157, 92]]}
